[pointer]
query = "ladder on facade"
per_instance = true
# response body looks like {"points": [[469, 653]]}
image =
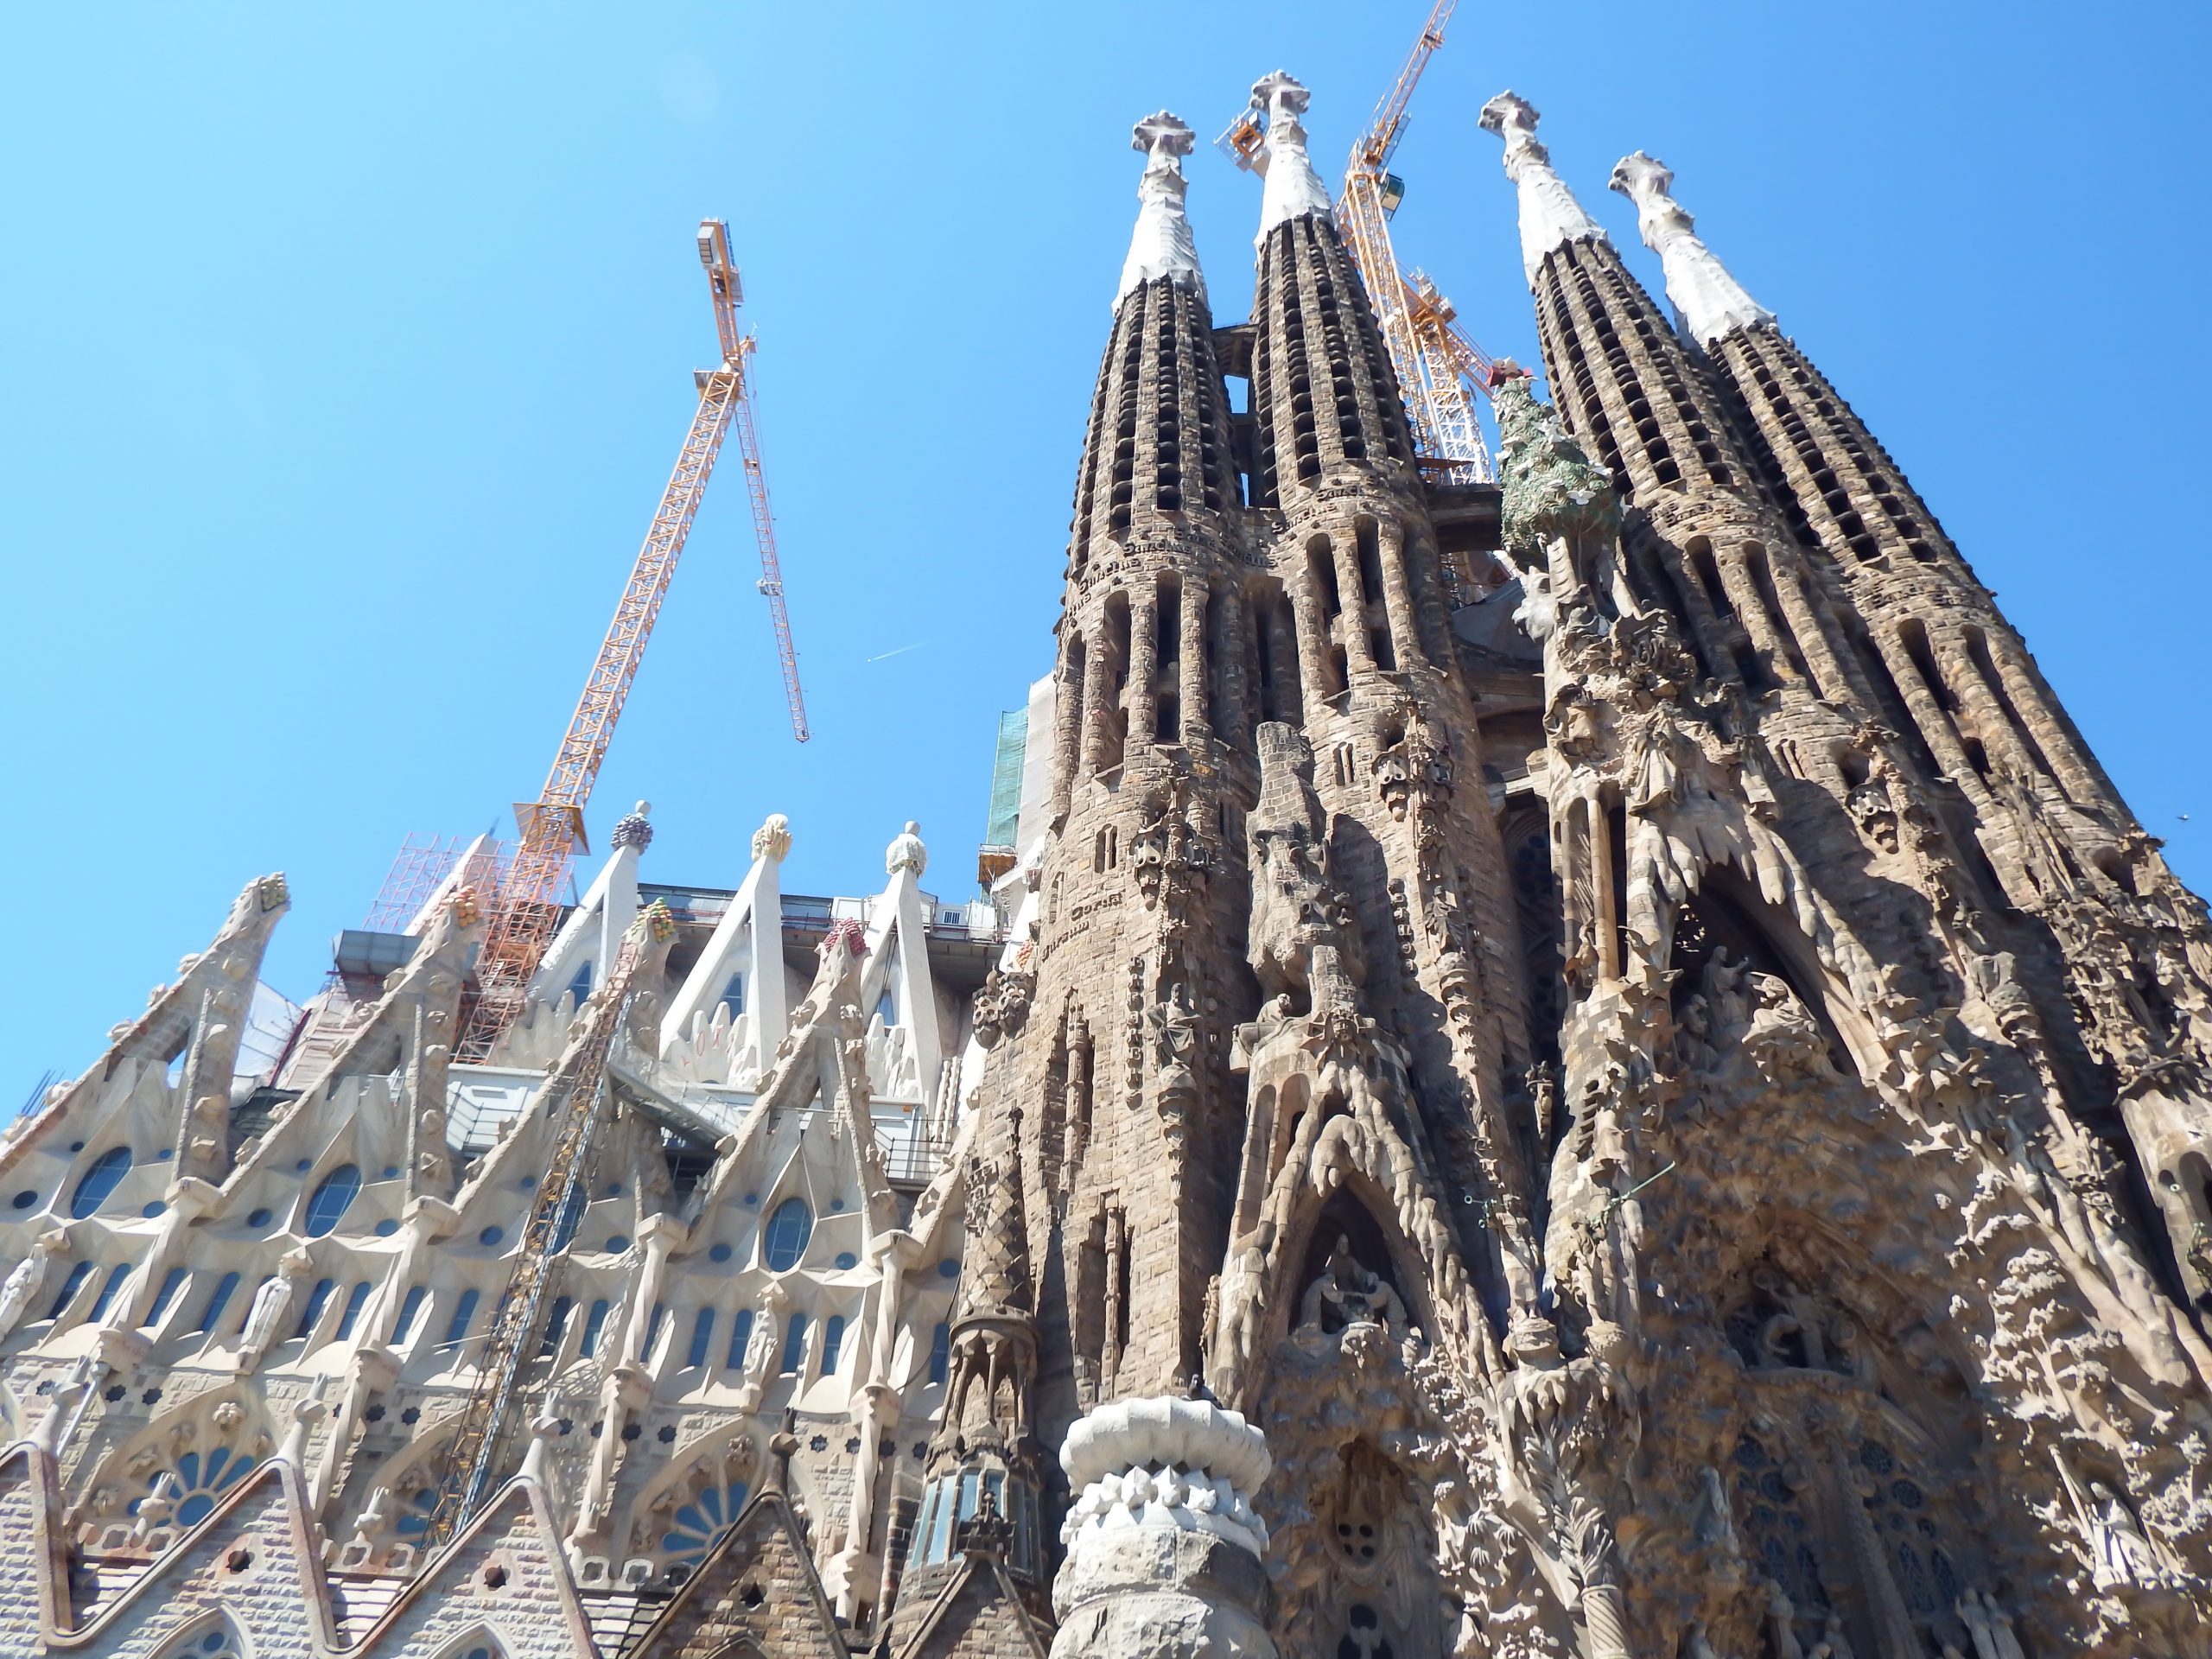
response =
{"points": [[575, 1101]]}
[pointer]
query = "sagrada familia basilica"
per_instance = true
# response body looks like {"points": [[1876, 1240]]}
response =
{"points": [[1583, 1066]]}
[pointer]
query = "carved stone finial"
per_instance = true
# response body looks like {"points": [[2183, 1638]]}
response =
{"points": [[1161, 246], [1710, 303], [305, 1415], [1550, 216], [773, 840], [635, 828], [1293, 188], [906, 852], [543, 1433], [67, 1396], [781, 1446]]}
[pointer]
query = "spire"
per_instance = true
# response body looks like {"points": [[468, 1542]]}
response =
{"points": [[994, 1283], [1161, 245], [1550, 216], [1293, 188], [1710, 301]]}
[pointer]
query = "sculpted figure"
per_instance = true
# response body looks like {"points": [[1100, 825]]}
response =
{"points": [[1783, 1039], [1725, 993], [1346, 1293], [28, 1277], [272, 1304], [2125, 1555], [1299, 939]]}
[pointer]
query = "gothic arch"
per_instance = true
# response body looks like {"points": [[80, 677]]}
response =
{"points": [[1727, 912], [388, 1505], [686, 1510], [478, 1643], [184, 1461], [1856, 1472], [1359, 1208]]}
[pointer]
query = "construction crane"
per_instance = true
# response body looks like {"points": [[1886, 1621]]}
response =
{"points": [[528, 903], [1440, 371], [574, 1102]]}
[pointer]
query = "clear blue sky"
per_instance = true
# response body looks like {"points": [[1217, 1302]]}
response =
{"points": [[349, 348]]}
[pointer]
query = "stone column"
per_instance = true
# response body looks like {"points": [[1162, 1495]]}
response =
{"points": [[1192, 661], [1352, 594], [874, 1411], [1398, 596], [1067, 724], [1144, 669], [1803, 618], [1097, 689], [1164, 1549], [1315, 675]]}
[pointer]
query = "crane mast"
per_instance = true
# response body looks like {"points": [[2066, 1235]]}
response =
{"points": [[574, 1103], [1440, 370], [528, 904]]}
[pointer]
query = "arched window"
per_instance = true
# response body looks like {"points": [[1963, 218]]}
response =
{"points": [[407, 1310], [833, 1339], [70, 1286], [741, 1337], [346, 1320], [698, 1526], [109, 1168], [464, 1310], [226, 1287], [788, 1230], [195, 1483], [794, 1345], [940, 1352], [702, 1336], [477, 1644], [318, 1299], [593, 1323], [172, 1282], [331, 1200], [556, 1327], [116, 1275]]}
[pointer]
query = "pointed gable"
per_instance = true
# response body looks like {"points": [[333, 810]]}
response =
{"points": [[503, 1575], [254, 1559], [33, 1563], [758, 1584], [978, 1615]]}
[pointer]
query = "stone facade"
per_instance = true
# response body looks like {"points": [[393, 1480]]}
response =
{"points": [[1662, 1112]]}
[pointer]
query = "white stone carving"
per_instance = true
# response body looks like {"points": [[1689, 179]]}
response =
{"points": [[1161, 245], [773, 840], [1550, 216], [1165, 1462], [1710, 301], [906, 852], [1293, 188]]}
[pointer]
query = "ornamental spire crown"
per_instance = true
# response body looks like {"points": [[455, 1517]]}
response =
{"points": [[1161, 245], [1550, 216], [1293, 188], [1710, 303]]}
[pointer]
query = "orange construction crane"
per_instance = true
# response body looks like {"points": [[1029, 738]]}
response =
{"points": [[1440, 371], [529, 899]]}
